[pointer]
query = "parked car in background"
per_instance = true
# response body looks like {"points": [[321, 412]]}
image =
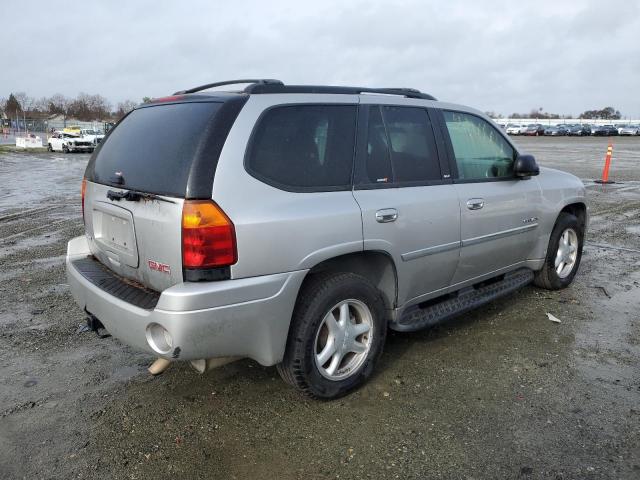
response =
{"points": [[605, 131], [92, 135], [179, 253], [630, 130], [69, 142], [534, 129], [556, 131], [579, 130], [513, 129]]}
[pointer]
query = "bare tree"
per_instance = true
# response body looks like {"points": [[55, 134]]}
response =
{"points": [[26, 102], [125, 107], [59, 104]]}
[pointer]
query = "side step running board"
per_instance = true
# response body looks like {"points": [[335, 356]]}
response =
{"points": [[436, 311]]}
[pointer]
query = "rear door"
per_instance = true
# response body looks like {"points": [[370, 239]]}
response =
{"points": [[499, 212], [136, 185], [409, 206]]}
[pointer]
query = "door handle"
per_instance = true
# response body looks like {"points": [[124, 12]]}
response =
{"points": [[475, 203], [386, 215]]}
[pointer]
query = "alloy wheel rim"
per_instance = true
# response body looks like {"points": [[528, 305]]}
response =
{"points": [[567, 253], [343, 339]]}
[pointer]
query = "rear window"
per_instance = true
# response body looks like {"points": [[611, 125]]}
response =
{"points": [[153, 148], [304, 147]]}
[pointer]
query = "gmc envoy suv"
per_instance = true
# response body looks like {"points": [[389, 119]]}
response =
{"points": [[294, 225]]}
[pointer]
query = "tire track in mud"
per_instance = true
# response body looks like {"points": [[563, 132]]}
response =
{"points": [[33, 211], [71, 221]]}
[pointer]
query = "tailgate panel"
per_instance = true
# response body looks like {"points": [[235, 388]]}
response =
{"points": [[135, 238], [114, 233]]}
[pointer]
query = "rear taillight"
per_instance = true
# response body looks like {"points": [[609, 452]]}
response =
{"points": [[208, 236], [83, 188]]}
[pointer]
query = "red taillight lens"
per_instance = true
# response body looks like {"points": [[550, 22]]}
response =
{"points": [[208, 236], [83, 188]]}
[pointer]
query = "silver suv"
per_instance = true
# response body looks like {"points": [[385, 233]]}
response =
{"points": [[294, 225]]}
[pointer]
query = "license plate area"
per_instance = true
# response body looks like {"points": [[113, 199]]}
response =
{"points": [[114, 233]]}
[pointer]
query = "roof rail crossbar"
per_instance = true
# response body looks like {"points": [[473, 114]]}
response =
{"points": [[257, 88], [261, 81]]}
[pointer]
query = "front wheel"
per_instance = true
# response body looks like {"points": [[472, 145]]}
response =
{"points": [[336, 336], [563, 254], [49, 148], [65, 149]]}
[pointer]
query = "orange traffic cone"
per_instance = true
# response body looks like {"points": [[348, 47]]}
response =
{"points": [[607, 164]]}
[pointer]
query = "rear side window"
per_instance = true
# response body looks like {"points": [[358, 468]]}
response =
{"points": [[400, 146], [304, 147], [153, 148], [481, 151]]}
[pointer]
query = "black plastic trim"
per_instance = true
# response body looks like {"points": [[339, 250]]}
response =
{"points": [[261, 88], [123, 289], [205, 163], [439, 310], [229, 82], [206, 274]]}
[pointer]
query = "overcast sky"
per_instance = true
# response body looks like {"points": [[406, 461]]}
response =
{"points": [[505, 56]]}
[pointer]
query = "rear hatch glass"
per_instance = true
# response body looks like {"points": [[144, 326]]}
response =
{"points": [[152, 149]]}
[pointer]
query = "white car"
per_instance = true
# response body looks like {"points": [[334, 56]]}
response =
{"points": [[629, 130], [69, 142], [513, 129], [93, 135]]}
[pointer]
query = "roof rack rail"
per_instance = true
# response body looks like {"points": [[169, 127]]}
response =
{"points": [[279, 87], [260, 81]]}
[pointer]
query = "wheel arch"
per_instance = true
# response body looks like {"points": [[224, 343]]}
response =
{"points": [[579, 210], [376, 266]]}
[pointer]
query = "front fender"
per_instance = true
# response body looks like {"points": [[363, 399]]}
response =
{"points": [[558, 190]]}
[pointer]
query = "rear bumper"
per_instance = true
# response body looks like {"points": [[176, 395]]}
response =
{"points": [[246, 317]]}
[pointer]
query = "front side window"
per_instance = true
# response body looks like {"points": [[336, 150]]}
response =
{"points": [[481, 152], [400, 146], [304, 146]]}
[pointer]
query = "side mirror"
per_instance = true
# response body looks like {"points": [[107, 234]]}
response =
{"points": [[525, 166]]}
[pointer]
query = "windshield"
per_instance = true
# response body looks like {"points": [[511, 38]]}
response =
{"points": [[152, 148]]}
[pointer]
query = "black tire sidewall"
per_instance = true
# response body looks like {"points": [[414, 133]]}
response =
{"points": [[565, 220], [308, 321]]}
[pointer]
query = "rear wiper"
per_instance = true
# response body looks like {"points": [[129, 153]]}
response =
{"points": [[132, 196]]}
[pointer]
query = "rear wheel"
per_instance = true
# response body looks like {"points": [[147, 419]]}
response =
{"points": [[49, 148], [563, 254], [336, 336]]}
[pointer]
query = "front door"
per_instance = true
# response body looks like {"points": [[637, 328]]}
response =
{"points": [[408, 208], [499, 212]]}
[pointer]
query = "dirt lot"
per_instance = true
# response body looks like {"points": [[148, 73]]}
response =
{"points": [[500, 393]]}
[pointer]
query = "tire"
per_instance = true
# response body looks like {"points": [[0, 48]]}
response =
{"points": [[553, 276], [321, 303], [65, 149], [49, 148]]}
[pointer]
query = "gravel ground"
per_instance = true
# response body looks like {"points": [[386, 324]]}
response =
{"points": [[499, 393]]}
